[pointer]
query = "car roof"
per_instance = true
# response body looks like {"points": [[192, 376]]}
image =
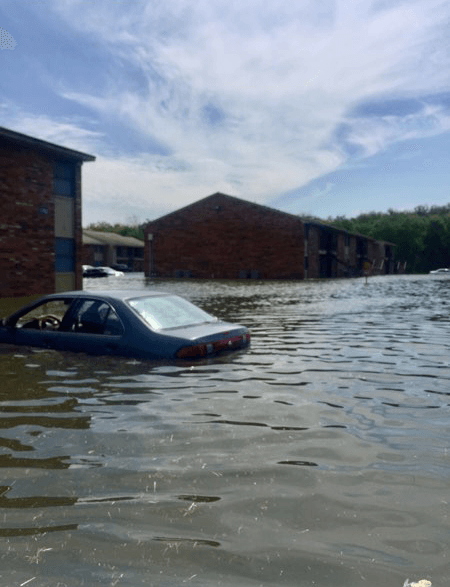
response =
{"points": [[108, 294]]}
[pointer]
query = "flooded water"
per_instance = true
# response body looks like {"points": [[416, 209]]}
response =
{"points": [[320, 457]]}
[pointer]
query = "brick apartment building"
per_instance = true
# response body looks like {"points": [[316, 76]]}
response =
{"points": [[331, 252], [110, 248], [40, 220], [225, 237]]}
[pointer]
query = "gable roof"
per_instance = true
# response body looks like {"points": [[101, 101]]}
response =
{"points": [[40, 145], [217, 199], [97, 237]]}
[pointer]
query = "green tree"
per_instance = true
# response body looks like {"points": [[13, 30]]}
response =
{"points": [[422, 236], [135, 230]]}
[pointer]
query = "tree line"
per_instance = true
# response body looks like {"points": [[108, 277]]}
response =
{"points": [[422, 236]]}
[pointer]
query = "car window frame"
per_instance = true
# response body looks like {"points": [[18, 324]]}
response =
{"points": [[75, 309], [12, 320]]}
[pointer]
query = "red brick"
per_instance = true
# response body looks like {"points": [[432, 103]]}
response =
{"points": [[27, 220], [225, 237]]}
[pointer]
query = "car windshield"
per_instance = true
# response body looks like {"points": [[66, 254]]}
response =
{"points": [[169, 312]]}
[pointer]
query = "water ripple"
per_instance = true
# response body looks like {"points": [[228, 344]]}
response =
{"points": [[318, 457]]}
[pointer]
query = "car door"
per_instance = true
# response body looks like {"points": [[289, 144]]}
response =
{"points": [[93, 327], [36, 338], [39, 325]]}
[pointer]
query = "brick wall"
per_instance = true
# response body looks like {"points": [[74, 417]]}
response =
{"points": [[225, 237], [26, 223]]}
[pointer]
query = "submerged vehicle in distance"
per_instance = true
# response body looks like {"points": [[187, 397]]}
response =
{"points": [[89, 271], [121, 267], [134, 324], [442, 271]]}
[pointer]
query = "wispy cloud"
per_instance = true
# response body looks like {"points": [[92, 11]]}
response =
{"points": [[375, 134], [68, 132], [246, 97]]}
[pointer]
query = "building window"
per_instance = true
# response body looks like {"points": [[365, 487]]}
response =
{"points": [[64, 180], [328, 240], [65, 255], [64, 190], [362, 247]]}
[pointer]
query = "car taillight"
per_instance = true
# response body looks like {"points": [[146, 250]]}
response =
{"points": [[202, 350], [197, 350]]}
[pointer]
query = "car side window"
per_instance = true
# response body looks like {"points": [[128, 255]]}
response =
{"points": [[45, 316], [96, 317], [113, 324]]}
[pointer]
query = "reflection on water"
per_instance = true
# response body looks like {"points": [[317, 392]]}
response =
{"points": [[318, 457]]}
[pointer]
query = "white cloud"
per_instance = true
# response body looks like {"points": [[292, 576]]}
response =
{"points": [[279, 77], [375, 134], [65, 132]]}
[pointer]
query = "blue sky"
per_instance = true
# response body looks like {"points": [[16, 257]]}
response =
{"points": [[327, 108]]}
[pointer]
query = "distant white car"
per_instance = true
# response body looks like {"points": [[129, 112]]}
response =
{"points": [[437, 271], [111, 271], [89, 271]]}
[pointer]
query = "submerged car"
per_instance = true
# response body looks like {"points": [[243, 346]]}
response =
{"points": [[89, 271], [440, 271], [111, 271], [121, 267], [133, 324]]}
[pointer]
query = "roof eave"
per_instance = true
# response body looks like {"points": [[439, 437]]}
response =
{"points": [[39, 144]]}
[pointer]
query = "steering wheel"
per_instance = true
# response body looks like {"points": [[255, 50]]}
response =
{"points": [[49, 320]]}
